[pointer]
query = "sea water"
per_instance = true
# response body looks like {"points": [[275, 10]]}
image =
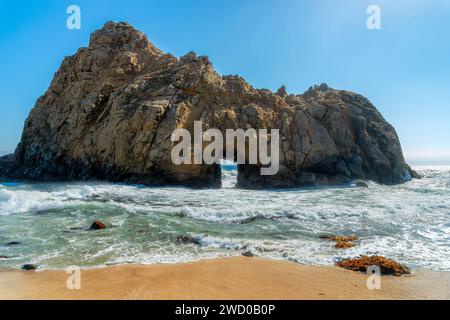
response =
{"points": [[409, 223]]}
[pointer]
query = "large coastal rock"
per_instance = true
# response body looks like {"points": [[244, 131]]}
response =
{"points": [[112, 107]]}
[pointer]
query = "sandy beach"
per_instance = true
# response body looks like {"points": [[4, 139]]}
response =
{"points": [[228, 278]]}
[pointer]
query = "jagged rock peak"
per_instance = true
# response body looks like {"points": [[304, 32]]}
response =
{"points": [[282, 91], [317, 89], [191, 56], [123, 36]]}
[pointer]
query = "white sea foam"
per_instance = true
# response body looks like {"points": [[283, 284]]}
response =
{"points": [[14, 200], [25, 201], [409, 222]]}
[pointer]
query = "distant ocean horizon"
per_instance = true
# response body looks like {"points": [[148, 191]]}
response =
{"points": [[422, 161], [429, 162]]}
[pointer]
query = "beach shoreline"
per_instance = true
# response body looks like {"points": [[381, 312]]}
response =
{"points": [[237, 278]]}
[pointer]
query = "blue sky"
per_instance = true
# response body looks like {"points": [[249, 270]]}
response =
{"points": [[404, 68]]}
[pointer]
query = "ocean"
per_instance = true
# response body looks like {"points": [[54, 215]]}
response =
{"points": [[409, 223]]}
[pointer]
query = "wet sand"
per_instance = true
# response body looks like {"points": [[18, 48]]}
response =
{"points": [[228, 278]]}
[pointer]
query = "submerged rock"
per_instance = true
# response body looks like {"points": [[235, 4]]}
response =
{"points": [[3, 257], [339, 238], [97, 225], [76, 228], [343, 245], [341, 241], [112, 107], [361, 184], [185, 239], [387, 266], [29, 267], [14, 243], [248, 254]]}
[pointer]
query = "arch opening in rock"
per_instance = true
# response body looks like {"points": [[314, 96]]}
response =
{"points": [[229, 174]]}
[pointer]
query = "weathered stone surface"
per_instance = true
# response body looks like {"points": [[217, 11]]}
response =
{"points": [[112, 107], [185, 239], [97, 225], [362, 263], [29, 267], [341, 242]]}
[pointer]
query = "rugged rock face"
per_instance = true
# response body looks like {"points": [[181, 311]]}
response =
{"points": [[112, 107]]}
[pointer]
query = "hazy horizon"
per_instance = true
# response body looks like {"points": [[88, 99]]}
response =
{"points": [[418, 161]]}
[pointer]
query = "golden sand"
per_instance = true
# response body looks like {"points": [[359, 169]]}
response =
{"points": [[228, 278]]}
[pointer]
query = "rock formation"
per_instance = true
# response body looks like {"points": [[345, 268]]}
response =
{"points": [[112, 107], [362, 263]]}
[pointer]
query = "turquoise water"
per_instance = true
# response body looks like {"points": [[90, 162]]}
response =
{"points": [[410, 222]]}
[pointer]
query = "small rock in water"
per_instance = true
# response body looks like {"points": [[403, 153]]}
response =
{"points": [[361, 184], [13, 243], [188, 239], [248, 254], [345, 238], [29, 267], [97, 225], [339, 238], [387, 266], [341, 242], [3, 257], [343, 245]]}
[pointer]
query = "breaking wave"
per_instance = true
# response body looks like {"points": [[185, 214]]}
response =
{"points": [[409, 222]]}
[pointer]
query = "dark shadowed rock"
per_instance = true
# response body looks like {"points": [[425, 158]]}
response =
{"points": [[185, 239], [361, 184], [97, 225], [112, 107], [29, 267], [248, 254], [14, 243]]}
